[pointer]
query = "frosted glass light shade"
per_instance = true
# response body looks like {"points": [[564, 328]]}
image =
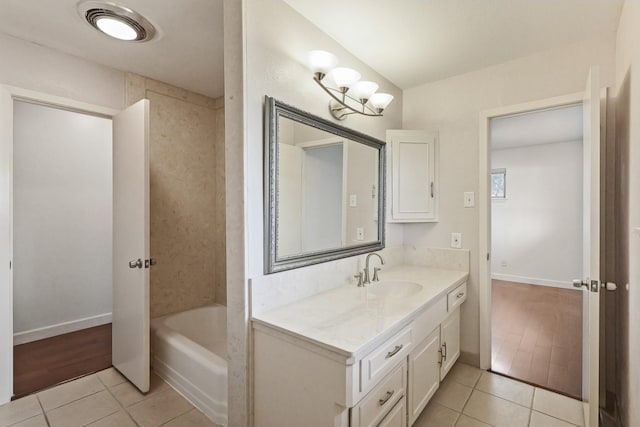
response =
{"points": [[321, 61], [381, 100], [345, 77], [363, 90], [116, 29]]}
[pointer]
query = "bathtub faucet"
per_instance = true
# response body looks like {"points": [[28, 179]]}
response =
{"points": [[366, 280]]}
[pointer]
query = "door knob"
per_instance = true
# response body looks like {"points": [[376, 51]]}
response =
{"points": [[577, 283], [135, 264], [610, 286]]}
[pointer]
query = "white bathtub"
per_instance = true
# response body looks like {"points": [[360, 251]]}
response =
{"points": [[190, 352]]}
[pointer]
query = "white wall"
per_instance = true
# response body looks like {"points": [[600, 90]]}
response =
{"points": [[536, 232], [31, 66], [62, 220], [628, 212], [274, 64], [452, 108]]}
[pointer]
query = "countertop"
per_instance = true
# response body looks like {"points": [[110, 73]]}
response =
{"points": [[350, 320]]}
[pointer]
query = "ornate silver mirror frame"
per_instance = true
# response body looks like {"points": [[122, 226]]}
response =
{"points": [[274, 110]]}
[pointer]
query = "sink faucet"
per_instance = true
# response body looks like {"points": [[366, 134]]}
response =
{"points": [[366, 280]]}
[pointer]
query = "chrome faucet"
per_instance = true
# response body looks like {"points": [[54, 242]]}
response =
{"points": [[366, 280]]}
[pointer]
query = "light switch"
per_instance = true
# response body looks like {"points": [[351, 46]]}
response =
{"points": [[456, 240], [359, 233], [469, 199], [353, 200]]}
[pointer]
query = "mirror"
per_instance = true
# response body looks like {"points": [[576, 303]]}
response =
{"points": [[324, 189]]}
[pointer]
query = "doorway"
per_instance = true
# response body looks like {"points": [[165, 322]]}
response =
{"points": [[62, 216], [536, 246], [55, 223]]}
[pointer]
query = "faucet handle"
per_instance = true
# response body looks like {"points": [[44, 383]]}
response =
{"points": [[375, 274], [359, 277]]}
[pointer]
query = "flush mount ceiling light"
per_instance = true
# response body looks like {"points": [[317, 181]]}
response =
{"points": [[350, 90], [116, 21]]}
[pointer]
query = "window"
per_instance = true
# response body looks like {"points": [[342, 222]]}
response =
{"points": [[499, 184]]}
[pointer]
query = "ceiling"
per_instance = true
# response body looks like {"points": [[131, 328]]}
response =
{"points": [[187, 53], [411, 42], [538, 127]]}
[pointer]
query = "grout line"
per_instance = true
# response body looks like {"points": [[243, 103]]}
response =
{"points": [[46, 418], [122, 406], [193, 408]]}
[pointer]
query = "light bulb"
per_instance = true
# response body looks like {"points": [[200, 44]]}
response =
{"points": [[116, 29], [380, 101], [345, 77], [321, 62], [363, 90]]}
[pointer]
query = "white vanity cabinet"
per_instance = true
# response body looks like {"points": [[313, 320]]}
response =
{"points": [[310, 374], [414, 178]]}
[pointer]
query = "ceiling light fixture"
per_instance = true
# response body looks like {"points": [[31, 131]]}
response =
{"points": [[350, 90], [116, 21]]}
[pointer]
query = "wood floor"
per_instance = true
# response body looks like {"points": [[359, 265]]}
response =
{"points": [[537, 335], [43, 363]]}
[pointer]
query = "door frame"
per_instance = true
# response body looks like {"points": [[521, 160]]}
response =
{"points": [[484, 205], [6, 212]]}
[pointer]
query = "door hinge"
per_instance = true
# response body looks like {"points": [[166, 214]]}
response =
{"points": [[488, 256], [9, 265]]}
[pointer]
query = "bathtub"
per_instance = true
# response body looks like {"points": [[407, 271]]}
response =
{"points": [[189, 351]]}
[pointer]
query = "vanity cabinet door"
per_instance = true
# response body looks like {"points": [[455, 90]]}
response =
{"points": [[414, 185], [397, 417], [424, 373], [450, 336]]}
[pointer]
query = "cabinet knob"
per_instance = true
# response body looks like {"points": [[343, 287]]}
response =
{"points": [[394, 351]]}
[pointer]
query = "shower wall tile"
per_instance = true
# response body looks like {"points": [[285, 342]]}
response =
{"points": [[186, 161]]}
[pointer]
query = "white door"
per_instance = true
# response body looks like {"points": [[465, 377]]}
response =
{"points": [[131, 323], [6, 246], [591, 248]]}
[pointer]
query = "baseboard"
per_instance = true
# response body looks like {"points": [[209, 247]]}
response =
{"points": [[533, 281], [60, 328]]}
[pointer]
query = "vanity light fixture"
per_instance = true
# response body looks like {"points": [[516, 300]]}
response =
{"points": [[351, 95], [116, 21]]}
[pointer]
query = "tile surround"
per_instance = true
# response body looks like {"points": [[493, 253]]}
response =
{"points": [[187, 196], [97, 401]]}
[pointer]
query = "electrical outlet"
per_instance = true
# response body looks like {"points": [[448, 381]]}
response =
{"points": [[353, 200], [456, 240], [469, 199], [359, 233]]}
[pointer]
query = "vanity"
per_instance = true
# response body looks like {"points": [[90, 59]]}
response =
{"points": [[358, 356], [346, 355]]}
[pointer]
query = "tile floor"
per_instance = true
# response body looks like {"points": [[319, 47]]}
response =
{"points": [[469, 397], [537, 335], [104, 399]]}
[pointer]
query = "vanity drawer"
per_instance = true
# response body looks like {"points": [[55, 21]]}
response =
{"points": [[375, 405], [457, 297], [384, 358]]}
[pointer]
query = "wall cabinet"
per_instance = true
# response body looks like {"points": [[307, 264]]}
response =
{"points": [[413, 176]]}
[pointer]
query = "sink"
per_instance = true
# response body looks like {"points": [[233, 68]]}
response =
{"points": [[394, 289]]}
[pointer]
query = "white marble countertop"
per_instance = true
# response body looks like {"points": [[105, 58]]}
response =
{"points": [[350, 320]]}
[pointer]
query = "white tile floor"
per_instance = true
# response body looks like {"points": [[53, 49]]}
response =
{"points": [[469, 397], [104, 399]]}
